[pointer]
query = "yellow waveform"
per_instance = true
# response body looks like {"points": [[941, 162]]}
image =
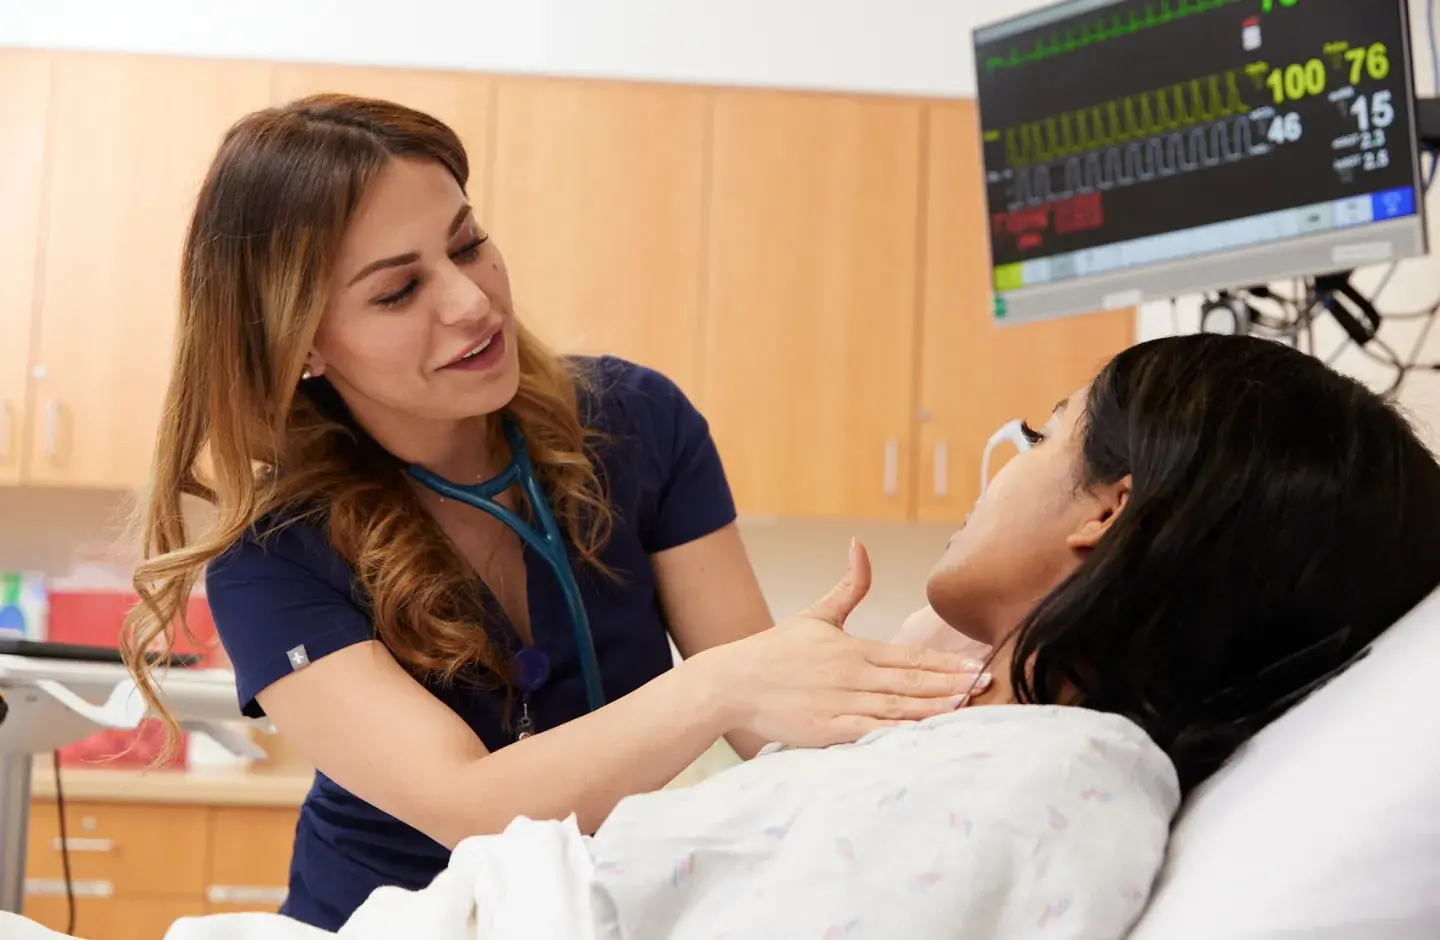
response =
{"points": [[1122, 120]]}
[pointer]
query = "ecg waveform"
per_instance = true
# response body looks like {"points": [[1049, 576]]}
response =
{"points": [[1161, 156], [1122, 120], [1102, 30]]}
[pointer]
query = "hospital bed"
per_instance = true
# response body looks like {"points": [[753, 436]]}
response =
{"points": [[1325, 827], [54, 702]]}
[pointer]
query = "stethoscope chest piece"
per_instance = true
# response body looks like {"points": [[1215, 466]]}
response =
{"points": [[529, 669]]}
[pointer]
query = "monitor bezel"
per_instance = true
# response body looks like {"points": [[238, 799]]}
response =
{"points": [[1307, 255]]}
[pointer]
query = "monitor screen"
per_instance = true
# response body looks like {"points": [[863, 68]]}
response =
{"points": [[1138, 150]]}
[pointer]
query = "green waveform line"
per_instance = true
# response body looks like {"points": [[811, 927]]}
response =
{"points": [[1104, 30], [1120, 121]]}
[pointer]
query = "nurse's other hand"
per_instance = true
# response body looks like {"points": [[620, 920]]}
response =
{"points": [[805, 682], [925, 628]]}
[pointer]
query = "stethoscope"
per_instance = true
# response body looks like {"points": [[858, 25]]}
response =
{"points": [[1011, 431], [530, 666]]}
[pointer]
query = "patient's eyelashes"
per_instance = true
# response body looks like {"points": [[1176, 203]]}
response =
{"points": [[1031, 435]]}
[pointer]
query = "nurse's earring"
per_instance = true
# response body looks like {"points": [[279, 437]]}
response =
{"points": [[305, 374]]}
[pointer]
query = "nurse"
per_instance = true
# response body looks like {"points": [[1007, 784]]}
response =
{"points": [[344, 315]]}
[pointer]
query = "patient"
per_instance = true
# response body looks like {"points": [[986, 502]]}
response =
{"points": [[1198, 539], [1210, 529]]}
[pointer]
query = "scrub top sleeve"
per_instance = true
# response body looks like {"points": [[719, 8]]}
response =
{"points": [[694, 496], [278, 605]]}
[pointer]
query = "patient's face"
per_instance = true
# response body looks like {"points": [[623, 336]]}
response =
{"points": [[1028, 532]]}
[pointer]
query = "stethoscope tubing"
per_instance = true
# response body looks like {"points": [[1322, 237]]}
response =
{"points": [[546, 542]]}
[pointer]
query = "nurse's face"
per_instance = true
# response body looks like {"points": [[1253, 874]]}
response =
{"points": [[1029, 531], [419, 327]]}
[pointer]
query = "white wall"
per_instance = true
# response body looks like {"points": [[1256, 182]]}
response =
{"points": [[907, 46]]}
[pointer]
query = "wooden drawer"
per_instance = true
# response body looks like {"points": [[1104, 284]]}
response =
{"points": [[249, 865], [139, 850], [113, 918]]}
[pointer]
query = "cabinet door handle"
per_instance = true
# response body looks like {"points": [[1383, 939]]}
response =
{"points": [[246, 894], [892, 467], [55, 887], [83, 845], [942, 469], [52, 427]]}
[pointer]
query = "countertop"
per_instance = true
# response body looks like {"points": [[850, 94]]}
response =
{"points": [[194, 787], [281, 781]]}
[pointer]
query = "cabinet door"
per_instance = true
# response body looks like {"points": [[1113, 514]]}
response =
{"points": [[24, 109], [810, 288], [131, 139], [460, 99], [130, 850], [249, 864], [975, 375], [598, 209], [113, 918]]}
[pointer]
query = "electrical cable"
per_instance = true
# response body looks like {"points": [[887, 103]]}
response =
{"points": [[1419, 346], [1434, 78], [64, 848]]}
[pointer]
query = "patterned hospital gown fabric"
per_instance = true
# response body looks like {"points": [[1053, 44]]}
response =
{"points": [[1003, 822]]}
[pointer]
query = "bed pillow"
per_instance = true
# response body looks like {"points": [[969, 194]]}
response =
{"points": [[1326, 826]]}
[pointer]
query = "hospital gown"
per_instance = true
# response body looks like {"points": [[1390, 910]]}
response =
{"points": [[1002, 822]]}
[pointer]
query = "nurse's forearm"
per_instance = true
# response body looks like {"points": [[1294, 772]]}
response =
{"points": [[633, 745]]}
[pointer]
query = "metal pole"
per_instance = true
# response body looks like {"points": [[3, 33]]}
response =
{"points": [[14, 817]]}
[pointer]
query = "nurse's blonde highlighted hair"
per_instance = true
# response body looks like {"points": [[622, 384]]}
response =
{"points": [[243, 433]]}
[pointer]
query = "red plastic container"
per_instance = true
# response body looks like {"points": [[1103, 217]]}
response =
{"points": [[94, 618]]}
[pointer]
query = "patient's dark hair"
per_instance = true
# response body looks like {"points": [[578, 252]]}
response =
{"points": [[1281, 516]]}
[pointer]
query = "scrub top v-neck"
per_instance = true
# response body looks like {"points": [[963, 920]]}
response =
{"points": [[283, 598]]}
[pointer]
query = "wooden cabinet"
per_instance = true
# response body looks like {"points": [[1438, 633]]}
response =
{"points": [[810, 301], [112, 918], [811, 268], [463, 100], [137, 867], [130, 140], [24, 107], [975, 375], [599, 210], [138, 850]]}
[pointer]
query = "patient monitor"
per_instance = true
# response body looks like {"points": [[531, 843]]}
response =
{"points": [[1139, 150]]}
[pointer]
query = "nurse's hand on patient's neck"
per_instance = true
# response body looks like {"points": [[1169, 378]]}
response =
{"points": [[806, 682]]}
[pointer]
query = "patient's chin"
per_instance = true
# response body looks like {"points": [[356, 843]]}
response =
{"points": [[947, 596]]}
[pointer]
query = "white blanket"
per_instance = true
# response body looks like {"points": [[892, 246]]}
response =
{"points": [[997, 823]]}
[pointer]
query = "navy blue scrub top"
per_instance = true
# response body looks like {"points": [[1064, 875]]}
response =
{"points": [[291, 590]]}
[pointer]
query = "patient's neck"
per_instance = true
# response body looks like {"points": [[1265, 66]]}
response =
{"points": [[1000, 691]]}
